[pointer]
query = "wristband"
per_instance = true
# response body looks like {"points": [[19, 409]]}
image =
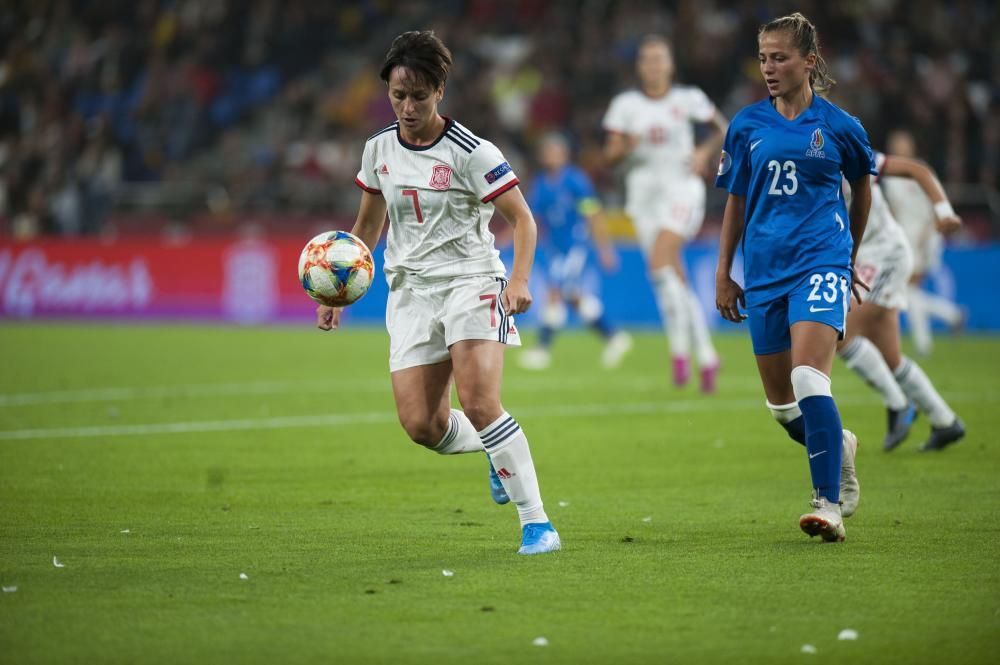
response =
{"points": [[943, 209]]}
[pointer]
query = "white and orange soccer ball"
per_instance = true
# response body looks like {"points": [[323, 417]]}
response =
{"points": [[336, 268]]}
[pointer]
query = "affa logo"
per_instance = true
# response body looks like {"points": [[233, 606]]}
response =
{"points": [[816, 144]]}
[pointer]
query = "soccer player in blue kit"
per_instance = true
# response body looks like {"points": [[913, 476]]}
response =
{"points": [[568, 213], [782, 163]]}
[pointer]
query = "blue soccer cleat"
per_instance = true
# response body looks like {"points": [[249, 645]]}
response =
{"points": [[497, 491], [539, 539]]}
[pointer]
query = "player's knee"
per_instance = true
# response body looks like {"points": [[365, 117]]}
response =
{"points": [[422, 430], [810, 382], [590, 308], [554, 314]]}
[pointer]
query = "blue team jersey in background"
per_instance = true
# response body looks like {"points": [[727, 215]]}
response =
{"points": [[790, 171], [555, 201]]}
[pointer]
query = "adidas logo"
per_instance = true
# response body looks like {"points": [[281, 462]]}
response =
{"points": [[384, 170], [504, 473]]}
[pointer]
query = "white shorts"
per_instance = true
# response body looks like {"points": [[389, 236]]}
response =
{"points": [[425, 320], [886, 268], [678, 208]]}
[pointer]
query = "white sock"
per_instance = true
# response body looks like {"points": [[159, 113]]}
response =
{"points": [[703, 347], [507, 447], [920, 389], [461, 436], [672, 298], [942, 308], [919, 320], [865, 360]]}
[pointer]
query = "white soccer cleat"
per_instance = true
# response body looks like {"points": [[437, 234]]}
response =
{"points": [[824, 520], [615, 349], [850, 488], [535, 359]]}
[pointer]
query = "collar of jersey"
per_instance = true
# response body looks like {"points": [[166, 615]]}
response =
{"points": [[448, 122], [805, 112]]}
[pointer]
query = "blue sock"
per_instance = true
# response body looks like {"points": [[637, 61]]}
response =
{"points": [[545, 336], [796, 429], [824, 441]]}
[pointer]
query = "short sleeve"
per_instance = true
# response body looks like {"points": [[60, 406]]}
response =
{"points": [[366, 178], [700, 107], [858, 158], [734, 163], [880, 159], [587, 202], [616, 118], [489, 172]]}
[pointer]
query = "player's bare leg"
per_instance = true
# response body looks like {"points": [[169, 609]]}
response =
{"points": [[681, 310], [478, 368], [870, 349]]}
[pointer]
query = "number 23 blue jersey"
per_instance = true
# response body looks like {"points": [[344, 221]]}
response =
{"points": [[790, 171]]}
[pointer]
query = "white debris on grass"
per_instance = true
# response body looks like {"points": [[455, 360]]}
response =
{"points": [[647, 519], [56, 563], [244, 576], [563, 504], [125, 531], [448, 573], [847, 634], [9, 589], [540, 642], [808, 648]]}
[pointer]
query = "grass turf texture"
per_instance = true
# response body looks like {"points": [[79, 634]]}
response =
{"points": [[678, 513]]}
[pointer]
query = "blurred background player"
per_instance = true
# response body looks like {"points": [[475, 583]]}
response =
{"points": [[924, 225], [651, 131], [871, 345], [450, 304], [570, 223], [783, 163]]}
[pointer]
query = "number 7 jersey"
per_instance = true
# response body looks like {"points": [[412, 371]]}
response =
{"points": [[438, 197], [790, 171]]}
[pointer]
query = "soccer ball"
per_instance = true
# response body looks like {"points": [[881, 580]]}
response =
{"points": [[336, 268]]}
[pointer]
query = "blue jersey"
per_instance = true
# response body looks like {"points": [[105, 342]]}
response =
{"points": [[790, 172], [558, 201]]}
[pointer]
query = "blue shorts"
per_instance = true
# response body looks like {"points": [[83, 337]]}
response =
{"points": [[571, 272], [823, 296]]}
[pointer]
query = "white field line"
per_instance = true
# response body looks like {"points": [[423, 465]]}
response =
{"points": [[236, 389], [600, 410]]}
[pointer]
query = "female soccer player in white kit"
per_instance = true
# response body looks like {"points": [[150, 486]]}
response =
{"points": [[871, 344], [450, 305], [651, 130]]}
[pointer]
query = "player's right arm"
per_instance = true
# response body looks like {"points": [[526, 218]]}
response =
{"points": [[947, 220], [618, 146], [368, 227], [729, 294]]}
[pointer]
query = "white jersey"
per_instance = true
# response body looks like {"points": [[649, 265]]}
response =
{"points": [[438, 197], [882, 227], [915, 213], [665, 127]]}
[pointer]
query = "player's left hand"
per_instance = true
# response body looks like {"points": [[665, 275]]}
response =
{"points": [[948, 225], [516, 297], [608, 259], [856, 285]]}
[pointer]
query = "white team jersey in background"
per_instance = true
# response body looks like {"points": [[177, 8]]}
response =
{"points": [[882, 227], [665, 127], [915, 213], [438, 197]]}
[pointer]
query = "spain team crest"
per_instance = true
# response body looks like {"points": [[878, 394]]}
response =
{"points": [[441, 177]]}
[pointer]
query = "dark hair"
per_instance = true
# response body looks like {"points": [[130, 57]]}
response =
{"points": [[423, 54], [806, 40], [654, 38]]}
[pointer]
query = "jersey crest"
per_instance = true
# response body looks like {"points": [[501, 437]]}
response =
{"points": [[816, 144], [441, 177]]}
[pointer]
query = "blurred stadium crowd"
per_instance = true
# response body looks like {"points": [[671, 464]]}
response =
{"points": [[223, 107]]}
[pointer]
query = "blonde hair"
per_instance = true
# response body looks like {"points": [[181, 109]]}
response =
{"points": [[805, 38]]}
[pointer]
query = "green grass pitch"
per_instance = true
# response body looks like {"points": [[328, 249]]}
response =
{"points": [[158, 464]]}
